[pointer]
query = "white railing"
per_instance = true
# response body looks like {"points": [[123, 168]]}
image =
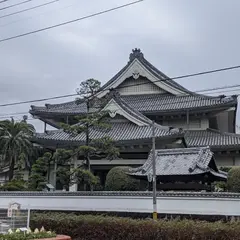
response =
{"points": [[139, 202]]}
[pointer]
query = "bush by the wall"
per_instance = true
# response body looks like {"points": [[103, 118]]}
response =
{"points": [[233, 182], [14, 185], [88, 227], [225, 169], [118, 180]]}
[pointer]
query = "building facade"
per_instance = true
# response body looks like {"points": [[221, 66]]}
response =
{"points": [[142, 93]]}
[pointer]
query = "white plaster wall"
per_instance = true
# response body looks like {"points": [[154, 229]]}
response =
{"points": [[197, 124], [222, 119], [237, 161], [167, 205], [141, 86]]}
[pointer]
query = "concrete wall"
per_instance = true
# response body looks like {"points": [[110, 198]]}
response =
{"points": [[166, 204]]}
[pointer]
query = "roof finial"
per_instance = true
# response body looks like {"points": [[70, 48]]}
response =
{"points": [[136, 53]]}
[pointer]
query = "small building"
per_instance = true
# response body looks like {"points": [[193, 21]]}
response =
{"points": [[181, 169]]}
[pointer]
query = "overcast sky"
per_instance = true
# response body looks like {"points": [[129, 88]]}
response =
{"points": [[178, 37]]}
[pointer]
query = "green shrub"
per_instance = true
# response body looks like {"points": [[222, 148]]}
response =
{"points": [[220, 186], [225, 169], [87, 227], [118, 180], [233, 182], [14, 185], [27, 236]]}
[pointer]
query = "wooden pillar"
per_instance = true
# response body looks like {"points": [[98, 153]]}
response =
{"points": [[187, 119], [67, 120], [74, 187], [45, 127]]}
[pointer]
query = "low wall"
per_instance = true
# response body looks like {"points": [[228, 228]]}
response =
{"points": [[223, 204]]}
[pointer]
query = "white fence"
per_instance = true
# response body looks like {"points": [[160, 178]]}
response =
{"points": [[141, 202], [13, 217]]}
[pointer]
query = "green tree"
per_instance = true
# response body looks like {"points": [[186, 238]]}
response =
{"points": [[14, 140], [118, 180], [233, 182], [95, 118], [68, 175], [39, 173]]}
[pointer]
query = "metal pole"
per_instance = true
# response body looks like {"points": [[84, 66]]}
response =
{"points": [[28, 217], [154, 173]]}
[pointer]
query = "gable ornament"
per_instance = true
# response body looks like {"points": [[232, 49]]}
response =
{"points": [[112, 113]]}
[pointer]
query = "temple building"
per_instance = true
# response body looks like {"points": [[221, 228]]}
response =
{"points": [[181, 169], [142, 93]]}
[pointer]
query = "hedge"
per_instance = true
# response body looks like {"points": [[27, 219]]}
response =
{"points": [[88, 227], [118, 180], [233, 182]]}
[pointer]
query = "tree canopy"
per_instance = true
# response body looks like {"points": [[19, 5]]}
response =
{"points": [[15, 140]]}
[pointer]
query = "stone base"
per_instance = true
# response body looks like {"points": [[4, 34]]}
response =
{"points": [[59, 237]]}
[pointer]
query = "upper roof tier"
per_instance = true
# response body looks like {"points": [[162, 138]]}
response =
{"points": [[146, 89]]}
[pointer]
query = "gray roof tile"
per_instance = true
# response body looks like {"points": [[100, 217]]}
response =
{"points": [[119, 131], [182, 161], [144, 103], [212, 138]]}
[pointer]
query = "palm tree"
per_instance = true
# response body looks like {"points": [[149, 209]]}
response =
{"points": [[15, 140]]}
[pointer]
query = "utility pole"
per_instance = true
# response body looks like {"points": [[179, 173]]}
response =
{"points": [[154, 173]]}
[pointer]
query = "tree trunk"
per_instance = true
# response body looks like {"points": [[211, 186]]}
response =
{"points": [[11, 169], [87, 139]]}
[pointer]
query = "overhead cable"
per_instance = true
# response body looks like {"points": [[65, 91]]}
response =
{"points": [[16, 4], [165, 79], [71, 21], [28, 9]]}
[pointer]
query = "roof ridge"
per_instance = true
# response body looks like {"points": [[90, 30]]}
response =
{"points": [[139, 114], [221, 132]]}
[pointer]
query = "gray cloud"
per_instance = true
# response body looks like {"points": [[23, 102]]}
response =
{"points": [[178, 37]]}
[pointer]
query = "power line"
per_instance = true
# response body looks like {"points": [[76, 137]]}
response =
{"points": [[47, 12], [136, 100], [165, 79], [37, 100], [71, 21], [4, 1], [28, 9], [218, 88], [185, 76], [16, 4]]}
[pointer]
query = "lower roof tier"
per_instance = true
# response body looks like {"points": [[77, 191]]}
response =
{"points": [[148, 104], [119, 132], [127, 132], [213, 138]]}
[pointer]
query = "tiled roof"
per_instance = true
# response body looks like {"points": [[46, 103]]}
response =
{"points": [[166, 103], [137, 54], [212, 138], [146, 104], [182, 161], [119, 131]]}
